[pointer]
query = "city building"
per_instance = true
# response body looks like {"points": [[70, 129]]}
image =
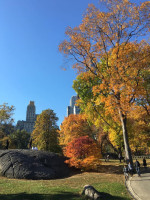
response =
{"points": [[73, 109], [31, 116]]}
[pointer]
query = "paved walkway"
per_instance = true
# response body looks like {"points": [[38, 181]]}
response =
{"points": [[139, 187]]}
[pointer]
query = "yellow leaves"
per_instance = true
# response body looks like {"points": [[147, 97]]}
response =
{"points": [[96, 89], [115, 137], [121, 84], [145, 7], [91, 163], [101, 31], [139, 128], [98, 101], [44, 135], [118, 64], [73, 127], [101, 15]]}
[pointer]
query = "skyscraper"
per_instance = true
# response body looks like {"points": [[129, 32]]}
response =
{"points": [[73, 109], [31, 116]]}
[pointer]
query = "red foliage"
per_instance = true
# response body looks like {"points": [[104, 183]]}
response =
{"points": [[80, 149]]}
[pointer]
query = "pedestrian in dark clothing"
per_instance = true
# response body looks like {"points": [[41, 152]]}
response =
{"points": [[7, 144], [30, 144], [119, 156], [137, 167], [125, 170], [144, 162]]}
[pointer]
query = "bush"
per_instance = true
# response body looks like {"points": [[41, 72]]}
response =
{"points": [[83, 153]]}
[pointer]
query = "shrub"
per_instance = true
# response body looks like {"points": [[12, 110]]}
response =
{"points": [[83, 153]]}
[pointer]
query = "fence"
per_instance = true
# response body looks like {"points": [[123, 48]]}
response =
{"points": [[137, 157]]}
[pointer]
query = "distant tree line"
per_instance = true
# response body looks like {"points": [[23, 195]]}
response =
{"points": [[9, 136], [44, 136]]}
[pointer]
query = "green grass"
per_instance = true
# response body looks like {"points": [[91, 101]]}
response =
{"points": [[111, 185], [109, 181]]}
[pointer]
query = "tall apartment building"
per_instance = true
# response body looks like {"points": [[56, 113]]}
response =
{"points": [[31, 116], [73, 109]]}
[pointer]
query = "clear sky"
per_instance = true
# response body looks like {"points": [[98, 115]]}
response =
{"points": [[30, 63]]}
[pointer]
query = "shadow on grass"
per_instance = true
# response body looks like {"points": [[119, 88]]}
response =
{"points": [[25, 196], [106, 196], [59, 196]]}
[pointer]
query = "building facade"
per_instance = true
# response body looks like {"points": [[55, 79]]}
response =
{"points": [[73, 109], [31, 116]]}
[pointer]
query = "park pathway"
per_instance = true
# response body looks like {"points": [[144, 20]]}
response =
{"points": [[139, 187]]}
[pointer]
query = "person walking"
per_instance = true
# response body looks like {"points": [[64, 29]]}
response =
{"points": [[144, 162], [108, 157], [125, 170], [30, 144], [7, 144], [130, 169], [137, 167]]}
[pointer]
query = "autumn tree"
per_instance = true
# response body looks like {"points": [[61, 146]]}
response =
{"points": [[104, 45], [83, 153], [108, 130], [139, 129], [6, 113], [45, 135], [74, 126]]}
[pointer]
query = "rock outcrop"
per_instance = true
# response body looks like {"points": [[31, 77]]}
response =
{"points": [[32, 164], [91, 193]]}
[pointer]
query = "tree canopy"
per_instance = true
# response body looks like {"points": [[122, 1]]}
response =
{"points": [[19, 139], [105, 44], [45, 133], [74, 126], [6, 121], [6, 113], [83, 152]]}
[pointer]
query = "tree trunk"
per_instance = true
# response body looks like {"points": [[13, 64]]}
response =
{"points": [[105, 138], [128, 156]]}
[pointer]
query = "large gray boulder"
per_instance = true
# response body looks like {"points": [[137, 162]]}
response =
{"points": [[32, 164]]}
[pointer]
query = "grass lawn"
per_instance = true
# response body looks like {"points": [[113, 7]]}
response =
{"points": [[111, 184], [109, 181]]}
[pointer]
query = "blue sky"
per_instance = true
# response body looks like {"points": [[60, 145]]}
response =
{"points": [[30, 63]]}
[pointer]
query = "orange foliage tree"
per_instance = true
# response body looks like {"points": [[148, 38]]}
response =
{"points": [[103, 44], [83, 153], [73, 127], [139, 129]]}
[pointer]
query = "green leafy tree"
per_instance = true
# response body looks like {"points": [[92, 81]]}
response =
{"points": [[6, 121], [45, 133], [19, 139], [7, 128]]}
